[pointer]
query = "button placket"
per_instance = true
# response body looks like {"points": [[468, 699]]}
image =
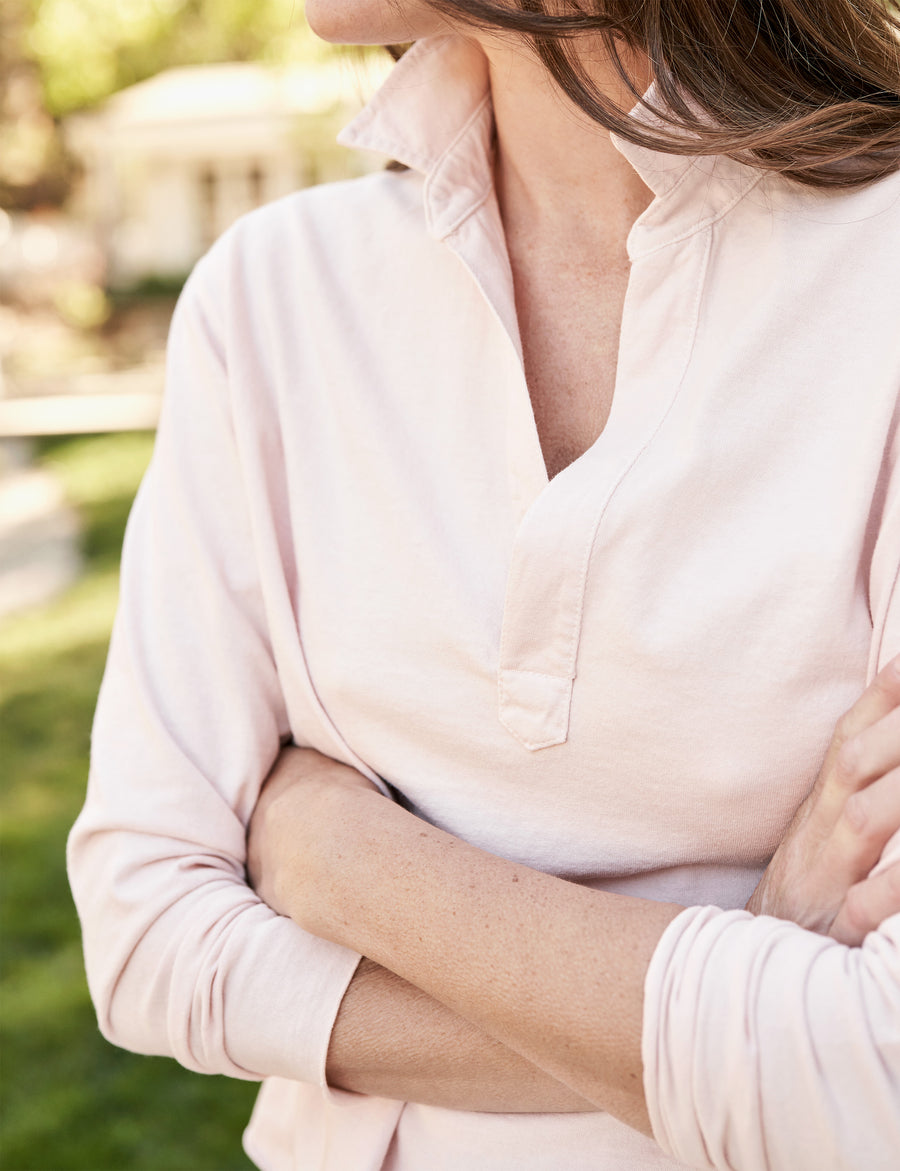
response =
{"points": [[556, 539]]}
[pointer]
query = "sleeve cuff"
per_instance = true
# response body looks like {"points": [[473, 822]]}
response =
{"points": [[289, 1035]]}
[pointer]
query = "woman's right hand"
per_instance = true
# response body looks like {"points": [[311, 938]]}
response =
{"points": [[821, 874]]}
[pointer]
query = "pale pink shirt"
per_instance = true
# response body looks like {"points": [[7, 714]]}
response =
{"points": [[627, 675]]}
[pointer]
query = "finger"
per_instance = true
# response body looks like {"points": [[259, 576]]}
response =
{"points": [[880, 697], [876, 750], [869, 819], [844, 769], [866, 906]]}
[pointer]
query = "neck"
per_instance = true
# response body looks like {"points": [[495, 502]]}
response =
{"points": [[557, 171]]}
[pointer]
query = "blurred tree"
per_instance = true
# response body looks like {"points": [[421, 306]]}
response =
{"points": [[58, 56], [32, 168], [88, 49]]}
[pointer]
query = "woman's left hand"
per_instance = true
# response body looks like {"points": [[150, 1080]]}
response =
{"points": [[285, 825], [821, 875], [866, 906]]}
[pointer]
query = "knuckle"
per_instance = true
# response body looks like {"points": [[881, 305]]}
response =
{"points": [[848, 762], [844, 729], [858, 815], [888, 679], [887, 682], [855, 907], [892, 884]]}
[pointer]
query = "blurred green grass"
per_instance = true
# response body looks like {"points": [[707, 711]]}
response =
{"points": [[69, 1100]]}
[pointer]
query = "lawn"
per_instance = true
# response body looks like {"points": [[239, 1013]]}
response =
{"points": [[69, 1100]]}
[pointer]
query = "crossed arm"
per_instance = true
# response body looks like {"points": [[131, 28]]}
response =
{"points": [[489, 986], [157, 855]]}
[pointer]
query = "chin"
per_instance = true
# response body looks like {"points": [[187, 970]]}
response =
{"points": [[373, 22]]}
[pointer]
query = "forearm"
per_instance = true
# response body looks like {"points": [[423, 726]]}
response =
{"points": [[392, 1040], [551, 970], [554, 972]]}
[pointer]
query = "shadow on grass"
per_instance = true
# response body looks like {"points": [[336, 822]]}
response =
{"points": [[70, 1101]]}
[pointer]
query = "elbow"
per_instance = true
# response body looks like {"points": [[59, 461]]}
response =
{"points": [[154, 931], [767, 1048]]}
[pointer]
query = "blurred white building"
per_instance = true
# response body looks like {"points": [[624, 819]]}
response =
{"points": [[170, 162]]}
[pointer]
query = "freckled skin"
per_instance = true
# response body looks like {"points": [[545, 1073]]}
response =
{"points": [[426, 907]]}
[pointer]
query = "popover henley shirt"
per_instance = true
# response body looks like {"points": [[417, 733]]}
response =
{"points": [[626, 675]]}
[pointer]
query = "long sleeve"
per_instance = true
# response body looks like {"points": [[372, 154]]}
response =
{"points": [[769, 1048], [182, 957]]}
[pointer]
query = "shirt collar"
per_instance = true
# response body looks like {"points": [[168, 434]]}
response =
{"points": [[434, 114]]}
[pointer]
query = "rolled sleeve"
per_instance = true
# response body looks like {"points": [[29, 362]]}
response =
{"points": [[768, 1048], [182, 957]]}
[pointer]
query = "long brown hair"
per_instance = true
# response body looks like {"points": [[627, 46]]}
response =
{"points": [[809, 88]]}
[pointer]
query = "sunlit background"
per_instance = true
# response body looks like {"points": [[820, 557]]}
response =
{"points": [[132, 133]]}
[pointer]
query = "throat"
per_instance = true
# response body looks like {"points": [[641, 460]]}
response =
{"points": [[569, 418], [570, 323]]}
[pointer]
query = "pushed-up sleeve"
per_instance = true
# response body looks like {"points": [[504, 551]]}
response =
{"points": [[767, 1047], [182, 957]]}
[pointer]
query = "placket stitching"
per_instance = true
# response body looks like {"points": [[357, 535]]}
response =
{"points": [[572, 628], [689, 349]]}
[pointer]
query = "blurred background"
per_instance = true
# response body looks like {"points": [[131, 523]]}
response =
{"points": [[132, 133]]}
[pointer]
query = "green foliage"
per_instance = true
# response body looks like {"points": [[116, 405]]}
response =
{"points": [[87, 49], [59, 56], [70, 1101], [149, 288]]}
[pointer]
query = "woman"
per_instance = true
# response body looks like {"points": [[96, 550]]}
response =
{"points": [[549, 485]]}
